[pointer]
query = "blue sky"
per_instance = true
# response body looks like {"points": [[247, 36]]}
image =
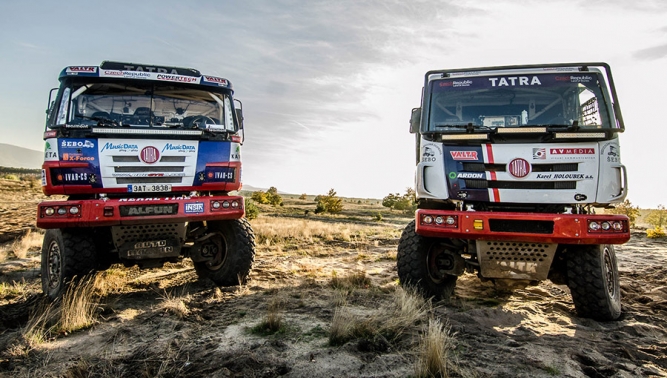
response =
{"points": [[327, 86]]}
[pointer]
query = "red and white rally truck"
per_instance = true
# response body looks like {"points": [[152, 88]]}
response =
{"points": [[147, 157], [512, 163]]}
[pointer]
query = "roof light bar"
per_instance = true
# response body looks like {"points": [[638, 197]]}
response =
{"points": [[521, 130], [465, 136], [146, 132], [579, 135]]}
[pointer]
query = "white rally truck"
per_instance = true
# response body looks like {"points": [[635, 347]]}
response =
{"points": [[512, 164], [146, 157]]}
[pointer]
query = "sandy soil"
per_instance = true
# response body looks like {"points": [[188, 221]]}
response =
{"points": [[529, 333]]}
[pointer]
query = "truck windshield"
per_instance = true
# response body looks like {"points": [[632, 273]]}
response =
{"points": [[145, 105], [489, 102]]}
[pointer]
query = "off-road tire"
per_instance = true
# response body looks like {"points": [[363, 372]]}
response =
{"points": [[413, 270], [239, 248], [65, 254], [592, 276]]}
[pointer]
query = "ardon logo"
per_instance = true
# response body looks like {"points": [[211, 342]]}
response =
{"points": [[149, 155], [519, 168]]}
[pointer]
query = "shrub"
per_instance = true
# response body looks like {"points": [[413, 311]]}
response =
{"points": [[406, 202], [260, 197], [251, 210], [655, 233], [329, 203], [657, 218], [626, 208], [273, 197], [303, 196]]}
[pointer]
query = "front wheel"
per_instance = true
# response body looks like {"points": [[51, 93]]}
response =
{"points": [[234, 253], [65, 254], [592, 276], [420, 263]]}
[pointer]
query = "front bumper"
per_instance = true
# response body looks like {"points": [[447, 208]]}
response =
{"points": [[129, 211], [524, 227]]}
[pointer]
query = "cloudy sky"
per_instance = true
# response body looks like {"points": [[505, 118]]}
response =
{"points": [[327, 86]]}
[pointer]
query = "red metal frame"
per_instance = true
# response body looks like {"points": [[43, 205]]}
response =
{"points": [[91, 212], [50, 189], [568, 228]]}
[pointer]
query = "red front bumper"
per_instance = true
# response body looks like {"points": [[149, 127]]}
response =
{"points": [[524, 227], [125, 211]]}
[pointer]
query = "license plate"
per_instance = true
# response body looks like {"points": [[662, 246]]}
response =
{"points": [[150, 188]]}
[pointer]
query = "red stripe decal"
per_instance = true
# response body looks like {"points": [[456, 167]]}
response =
{"points": [[496, 194], [493, 176], [489, 152]]}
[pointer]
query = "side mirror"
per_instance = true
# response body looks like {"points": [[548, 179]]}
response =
{"points": [[415, 120], [239, 117]]}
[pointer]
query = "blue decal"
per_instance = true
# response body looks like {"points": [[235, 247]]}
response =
{"points": [[213, 152], [78, 150], [456, 160], [194, 208]]}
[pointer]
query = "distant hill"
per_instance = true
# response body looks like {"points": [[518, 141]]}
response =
{"points": [[19, 157]]}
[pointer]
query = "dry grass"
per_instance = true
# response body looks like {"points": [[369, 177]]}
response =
{"points": [[175, 305], [30, 241], [341, 326], [273, 321], [408, 309], [434, 347], [113, 280], [355, 280], [270, 231], [77, 310]]}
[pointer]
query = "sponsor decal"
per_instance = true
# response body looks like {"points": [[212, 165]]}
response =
{"points": [[476, 175], [575, 78], [149, 155], [180, 79], [513, 81], [150, 199], [90, 69], [518, 168], [113, 73], [136, 75], [613, 154], [563, 176], [76, 144], [77, 157], [50, 134], [43, 177], [572, 151], [229, 175], [236, 154], [464, 155], [539, 153], [69, 177], [461, 83], [126, 147], [143, 210], [429, 153], [50, 154], [194, 208], [178, 147], [150, 69], [218, 80], [580, 197]]}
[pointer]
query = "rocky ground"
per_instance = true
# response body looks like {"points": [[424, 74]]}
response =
{"points": [[165, 322]]}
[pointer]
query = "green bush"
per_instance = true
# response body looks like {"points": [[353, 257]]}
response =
{"points": [[329, 203], [251, 210], [626, 208]]}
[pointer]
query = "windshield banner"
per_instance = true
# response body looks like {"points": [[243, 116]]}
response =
{"points": [[513, 81]]}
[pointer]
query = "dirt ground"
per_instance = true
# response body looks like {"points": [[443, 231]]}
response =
{"points": [[165, 322]]}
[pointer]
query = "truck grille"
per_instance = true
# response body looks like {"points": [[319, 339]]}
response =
{"points": [[149, 180], [552, 167], [526, 185]]}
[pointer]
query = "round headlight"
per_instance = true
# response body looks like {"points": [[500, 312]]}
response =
{"points": [[617, 226], [49, 211], [235, 204], [428, 219], [439, 220], [215, 204], [450, 220], [605, 226], [62, 211], [74, 210], [225, 204], [594, 226]]}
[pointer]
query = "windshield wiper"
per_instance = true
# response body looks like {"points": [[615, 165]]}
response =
{"points": [[469, 127], [103, 121]]}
